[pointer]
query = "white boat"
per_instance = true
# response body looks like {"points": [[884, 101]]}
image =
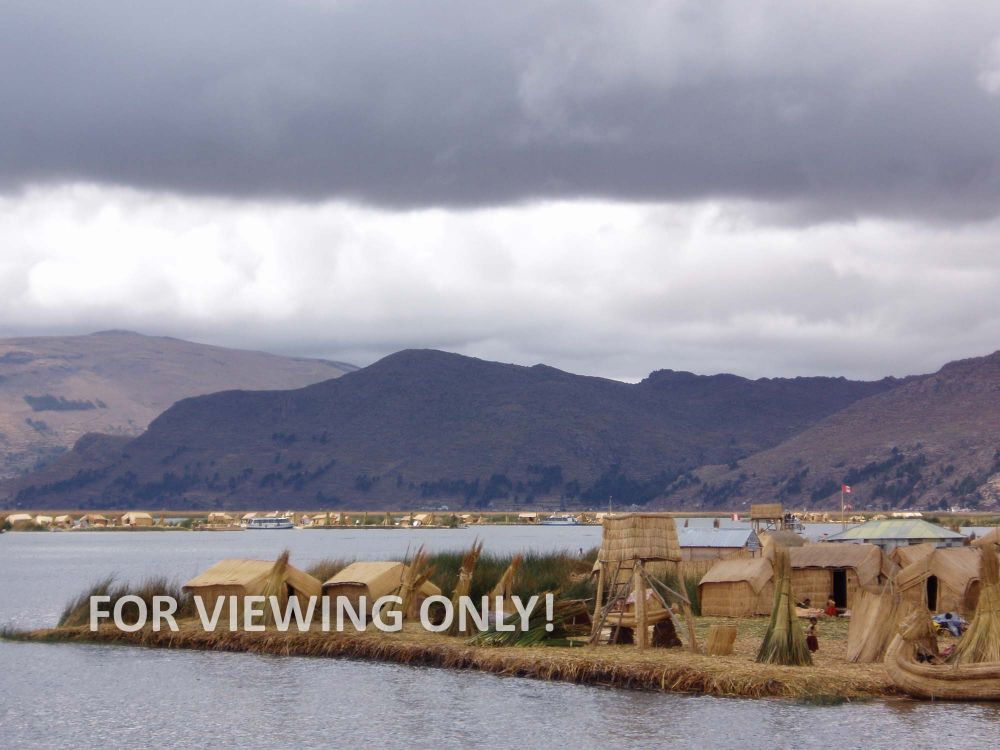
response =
{"points": [[560, 521], [270, 523]]}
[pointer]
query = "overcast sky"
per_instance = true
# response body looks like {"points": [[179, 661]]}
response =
{"points": [[608, 187]]}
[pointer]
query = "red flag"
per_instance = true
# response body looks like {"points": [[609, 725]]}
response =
{"points": [[846, 489]]}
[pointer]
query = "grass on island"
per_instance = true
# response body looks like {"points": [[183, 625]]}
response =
{"points": [[831, 678]]}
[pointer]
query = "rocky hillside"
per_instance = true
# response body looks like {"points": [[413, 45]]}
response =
{"points": [[53, 389], [425, 427], [932, 442]]}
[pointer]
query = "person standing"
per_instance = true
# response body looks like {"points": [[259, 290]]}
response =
{"points": [[812, 640]]}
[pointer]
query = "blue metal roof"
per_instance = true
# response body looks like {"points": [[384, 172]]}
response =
{"points": [[894, 528]]}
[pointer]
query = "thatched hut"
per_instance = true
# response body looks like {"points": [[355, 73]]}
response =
{"points": [[64, 521], [373, 579], [43, 521], [20, 520], [94, 520], [737, 588], [527, 517], [991, 537], [947, 579], [240, 578], [834, 571], [219, 519], [784, 537], [136, 518]]}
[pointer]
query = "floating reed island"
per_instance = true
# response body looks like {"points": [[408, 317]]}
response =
{"points": [[626, 615]]}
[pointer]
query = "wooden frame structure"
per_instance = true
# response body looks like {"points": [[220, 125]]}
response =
{"points": [[629, 542]]}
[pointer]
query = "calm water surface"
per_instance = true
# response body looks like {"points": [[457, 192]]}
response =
{"points": [[64, 696]]}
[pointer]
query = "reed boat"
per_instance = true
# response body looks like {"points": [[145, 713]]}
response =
{"points": [[956, 682]]}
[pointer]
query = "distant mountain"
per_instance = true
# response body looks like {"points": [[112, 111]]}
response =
{"points": [[932, 442], [429, 427], [54, 389]]}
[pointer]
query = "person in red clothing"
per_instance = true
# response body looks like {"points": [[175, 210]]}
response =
{"points": [[831, 607]]}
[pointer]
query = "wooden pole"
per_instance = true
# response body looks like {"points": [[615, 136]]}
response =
{"points": [[597, 603], [639, 590]]}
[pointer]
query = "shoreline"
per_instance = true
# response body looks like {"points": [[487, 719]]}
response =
{"points": [[619, 667]]}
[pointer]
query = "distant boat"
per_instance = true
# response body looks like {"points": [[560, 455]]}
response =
{"points": [[560, 521], [270, 523]]}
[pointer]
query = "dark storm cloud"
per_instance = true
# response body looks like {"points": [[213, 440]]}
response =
{"points": [[812, 109]]}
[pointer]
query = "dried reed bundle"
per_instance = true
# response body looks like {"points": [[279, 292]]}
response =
{"points": [[720, 640], [276, 586], [981, 642], [418, 571], [464, 585], [875, 621], [563, 612], [505, 586], [784, 642]]}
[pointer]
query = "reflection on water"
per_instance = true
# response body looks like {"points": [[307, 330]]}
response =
{"points": [[116, 697]]}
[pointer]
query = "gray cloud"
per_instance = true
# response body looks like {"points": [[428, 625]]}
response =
{"points": [[813, 110]]}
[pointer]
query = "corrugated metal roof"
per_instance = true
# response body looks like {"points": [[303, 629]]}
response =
{"points": [[728, 538], [895, 528]]}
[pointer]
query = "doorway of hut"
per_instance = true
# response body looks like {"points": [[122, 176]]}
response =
{"points": [[932, 593], [840, 588]]}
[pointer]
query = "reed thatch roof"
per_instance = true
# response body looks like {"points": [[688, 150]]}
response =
{"points": [[251, 576], [136, 518], [865, 559], [784, 537], [956, 568], [911, 553], [374, 579], [756, 571], [993, 537], [766, 511], [639, 536]]}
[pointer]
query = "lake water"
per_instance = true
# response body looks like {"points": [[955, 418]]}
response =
{"points": [[73, 696]]}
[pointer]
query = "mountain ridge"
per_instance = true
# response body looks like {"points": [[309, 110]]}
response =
{"points": [[422, 426], [54, 389]]}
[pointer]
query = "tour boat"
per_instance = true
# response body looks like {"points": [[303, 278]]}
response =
{"points": [[270, 523], [560, 521]]}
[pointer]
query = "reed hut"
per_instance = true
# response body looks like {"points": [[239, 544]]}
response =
{"points": [[240, 578], [991, 537], [219, 519], [134, 518], [737, 588], [95, 520], [43, 521], [19, 521], [63, 521], [834, 571], [945, 580], [527, 518], [373, 579], [784, 537]]}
